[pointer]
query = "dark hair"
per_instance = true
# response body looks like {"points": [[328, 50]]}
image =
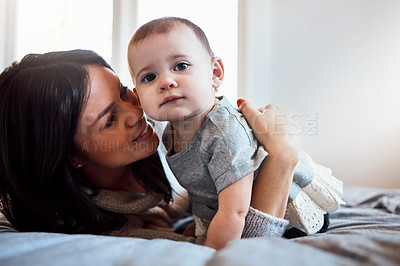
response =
{"points": [[165, 25], [41, 99]]}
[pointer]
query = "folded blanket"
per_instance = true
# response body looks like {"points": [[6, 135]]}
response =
{"points": [[391, 204]]}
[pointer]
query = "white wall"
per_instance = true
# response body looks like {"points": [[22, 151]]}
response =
{"points": [[7, 32], [340, 61], [124, 26]]}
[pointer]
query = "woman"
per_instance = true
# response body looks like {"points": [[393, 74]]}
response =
{"points": [[78, 155]]}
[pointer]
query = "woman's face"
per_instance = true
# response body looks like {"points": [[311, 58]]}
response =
{"points": [[112, 131]]}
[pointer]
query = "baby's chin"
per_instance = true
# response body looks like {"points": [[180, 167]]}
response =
{"points": [[165, 117]]}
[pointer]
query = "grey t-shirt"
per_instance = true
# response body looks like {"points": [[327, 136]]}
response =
{"points": [[223, 151]]}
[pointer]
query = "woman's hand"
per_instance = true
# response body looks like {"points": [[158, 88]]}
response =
{"points": [[190, 229], [280, 136], [158, 228], [278, 132]]}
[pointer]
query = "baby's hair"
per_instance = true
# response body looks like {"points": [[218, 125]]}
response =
{"points": [[165, 25]]}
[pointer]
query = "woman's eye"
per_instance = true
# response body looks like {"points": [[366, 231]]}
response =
{"points": [[148, 78], [181, 66], [111, 120], [123, 92]]}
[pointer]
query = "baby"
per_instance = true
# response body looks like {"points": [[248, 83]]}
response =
{"points": [[211, 149]]}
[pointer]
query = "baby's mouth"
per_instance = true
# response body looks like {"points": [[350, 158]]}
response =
{"points": [[171, 98]]}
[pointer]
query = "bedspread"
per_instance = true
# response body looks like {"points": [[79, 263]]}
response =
{"points": [[364, 232]]}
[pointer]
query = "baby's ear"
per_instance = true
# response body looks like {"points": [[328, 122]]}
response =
{"points": [[218, 72]]}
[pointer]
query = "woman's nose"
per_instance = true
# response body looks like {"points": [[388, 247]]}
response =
{"points": [[132, 111], [167, 82], [134, 99], [131, 116]]}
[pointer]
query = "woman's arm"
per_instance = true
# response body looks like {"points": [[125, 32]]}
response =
{"points": [[280, 135]]}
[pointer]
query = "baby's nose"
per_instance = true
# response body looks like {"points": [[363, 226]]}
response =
{"points": [[167, 82]]}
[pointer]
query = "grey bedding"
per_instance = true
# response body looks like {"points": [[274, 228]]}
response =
{"points": [[365, 232]]}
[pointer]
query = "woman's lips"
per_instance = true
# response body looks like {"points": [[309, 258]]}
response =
{"points": [[171, 98]]}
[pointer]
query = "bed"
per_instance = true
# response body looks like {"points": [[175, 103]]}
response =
{"points": [[364, 232]]}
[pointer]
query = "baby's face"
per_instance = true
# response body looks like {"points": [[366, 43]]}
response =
{"points": [[173, 75]]}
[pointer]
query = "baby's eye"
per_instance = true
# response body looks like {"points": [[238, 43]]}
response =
{"points": [[148, 78], [181, 66]]}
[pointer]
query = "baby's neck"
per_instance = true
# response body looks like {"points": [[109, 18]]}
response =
{"points": [[186, 129]]}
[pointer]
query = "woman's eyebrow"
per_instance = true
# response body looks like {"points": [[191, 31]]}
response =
{"points": [[103, 113]]}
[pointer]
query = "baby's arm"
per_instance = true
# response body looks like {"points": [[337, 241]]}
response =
{"points": [[233, 205]]}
